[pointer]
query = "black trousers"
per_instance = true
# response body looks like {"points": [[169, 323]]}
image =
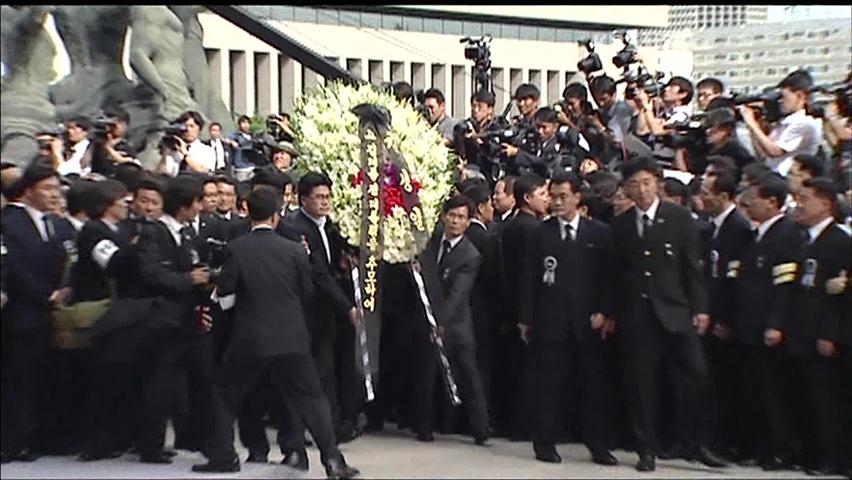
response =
{"points": [[647, 344], [844, 380], [560, 365], [297, 384], [257, 402], [513, 384], [395, 379], [762, 414], [350, 380], [465, 371], [24, 364], [723, 361], [815, 410], [322, 348], [191, 425]]}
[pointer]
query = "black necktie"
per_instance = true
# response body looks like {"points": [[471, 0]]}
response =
{"points": [[568, 232], [48, 227], [445, 249], [646, 224]]}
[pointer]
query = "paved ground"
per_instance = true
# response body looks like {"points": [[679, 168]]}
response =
{"points": [[393, 454]]}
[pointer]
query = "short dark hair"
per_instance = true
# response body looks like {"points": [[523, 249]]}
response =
{"points": [[312, 180], [685, 86], [78, 195], [81, 121], [181, 191], [575, 90], [812, 164], [675, 188], [193, 115], [797, 81], [434, 93], [457, 201], [34, 173], [526, 184], [640, 164], [242, 118], [721, 102], [546, 114], [484, 96], [228, 180], [215, 124], [118, 112], [527, 90], [208, 179], [403, 92], [268, 176], [103, 195], [129, 173], [478, 194], [151, 184], [824, 188], [601, 85], [559, 177], [509, 183], [711, 83], [263, 203], [755, 171], [725, 182], [773, 186]]}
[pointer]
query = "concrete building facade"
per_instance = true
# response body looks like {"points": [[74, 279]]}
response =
{"points": [[712, 16], [418, 44]]}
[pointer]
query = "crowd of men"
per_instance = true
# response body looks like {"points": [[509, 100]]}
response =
{"points": [[582, 292]]}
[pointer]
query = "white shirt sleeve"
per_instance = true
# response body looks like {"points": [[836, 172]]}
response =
{"points": [[204, 155]]}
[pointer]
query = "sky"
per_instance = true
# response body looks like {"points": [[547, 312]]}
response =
{"points": [[780, 13]]}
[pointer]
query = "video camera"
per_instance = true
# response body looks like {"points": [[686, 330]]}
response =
{"points": [[274, 128], [479, 51], [839, 93], [691, 134], [770, 101], [174, 129], [102, 124], [627, 55], [592, 63], [642, 79]]}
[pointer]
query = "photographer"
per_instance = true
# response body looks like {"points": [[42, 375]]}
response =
{"points": [[77, 134], [527, 96], [552, 155], [50, 148], [675, 109], [720, 131], [433, 99], [795, 134], [615, 117], [469, 141], [194, 154], [707, 90], [110, 147], [241, 144]]}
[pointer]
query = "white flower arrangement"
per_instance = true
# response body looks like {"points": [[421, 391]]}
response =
{"points": [[326, 135]]}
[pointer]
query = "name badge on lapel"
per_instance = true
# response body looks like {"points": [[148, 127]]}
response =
{"points": [[809, 275], [549, 277], [714, 264], [760, 262], [669, 250], [445, 274]]}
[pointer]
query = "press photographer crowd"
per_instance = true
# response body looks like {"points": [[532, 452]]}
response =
{"points": [[651, 264]]}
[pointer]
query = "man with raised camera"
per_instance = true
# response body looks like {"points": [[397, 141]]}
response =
{"points": [[241, 143], [615, 119], [77, 135], [110, 145], [673, 107], [470, 142], [795, 134], [195, 155]]}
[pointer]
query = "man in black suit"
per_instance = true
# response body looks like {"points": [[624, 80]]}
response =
{"points": [[664, 309], [35, 242], [331, 307], [814, 325], [171, 270], [564, 304], [730, 233], [762, 295], [449, 266], [271, 177], [504, 199], [267, 281], [226, 206], [513, 391], [484, 289]]}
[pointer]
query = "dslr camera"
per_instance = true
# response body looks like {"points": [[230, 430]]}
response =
{"points": [[642, 79], [102, 124], [592, 63], [627, 55]]}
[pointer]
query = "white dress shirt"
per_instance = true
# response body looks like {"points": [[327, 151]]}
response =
{"points": [[720, 219], [202, 154], [453, 243], [763, 227], [173, 225], [218, 153], [72, 165], [796, 134], [320, 223], [575, 224], [815, 231]]}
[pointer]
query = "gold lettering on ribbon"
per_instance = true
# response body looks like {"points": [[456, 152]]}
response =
{"points": [[373, 194], [405, 180]]}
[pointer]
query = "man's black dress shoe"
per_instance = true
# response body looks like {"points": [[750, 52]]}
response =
{"points": [[155, 457], [824, 471], [674, 452], [425, 437], [547, 454], [646, 463], [25, 455], [480, 440], [775, 464], [337, 468], [604, 458], [347, 433], [297, 460], [94, 455], [218, 467], [257, 457], [708, 458]]}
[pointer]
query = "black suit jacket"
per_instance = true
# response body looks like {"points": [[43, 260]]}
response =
{"points": [[271, 280], [512, 247], [760, 300], [164, 268], [238, 227], [663, 266], [90, 281], [815, 314], [449, 286], [33, 268], [329, 300], [583, 282], [733, 237]]}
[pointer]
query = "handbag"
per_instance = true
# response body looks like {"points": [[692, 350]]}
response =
{"points": [[72, 324]]}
